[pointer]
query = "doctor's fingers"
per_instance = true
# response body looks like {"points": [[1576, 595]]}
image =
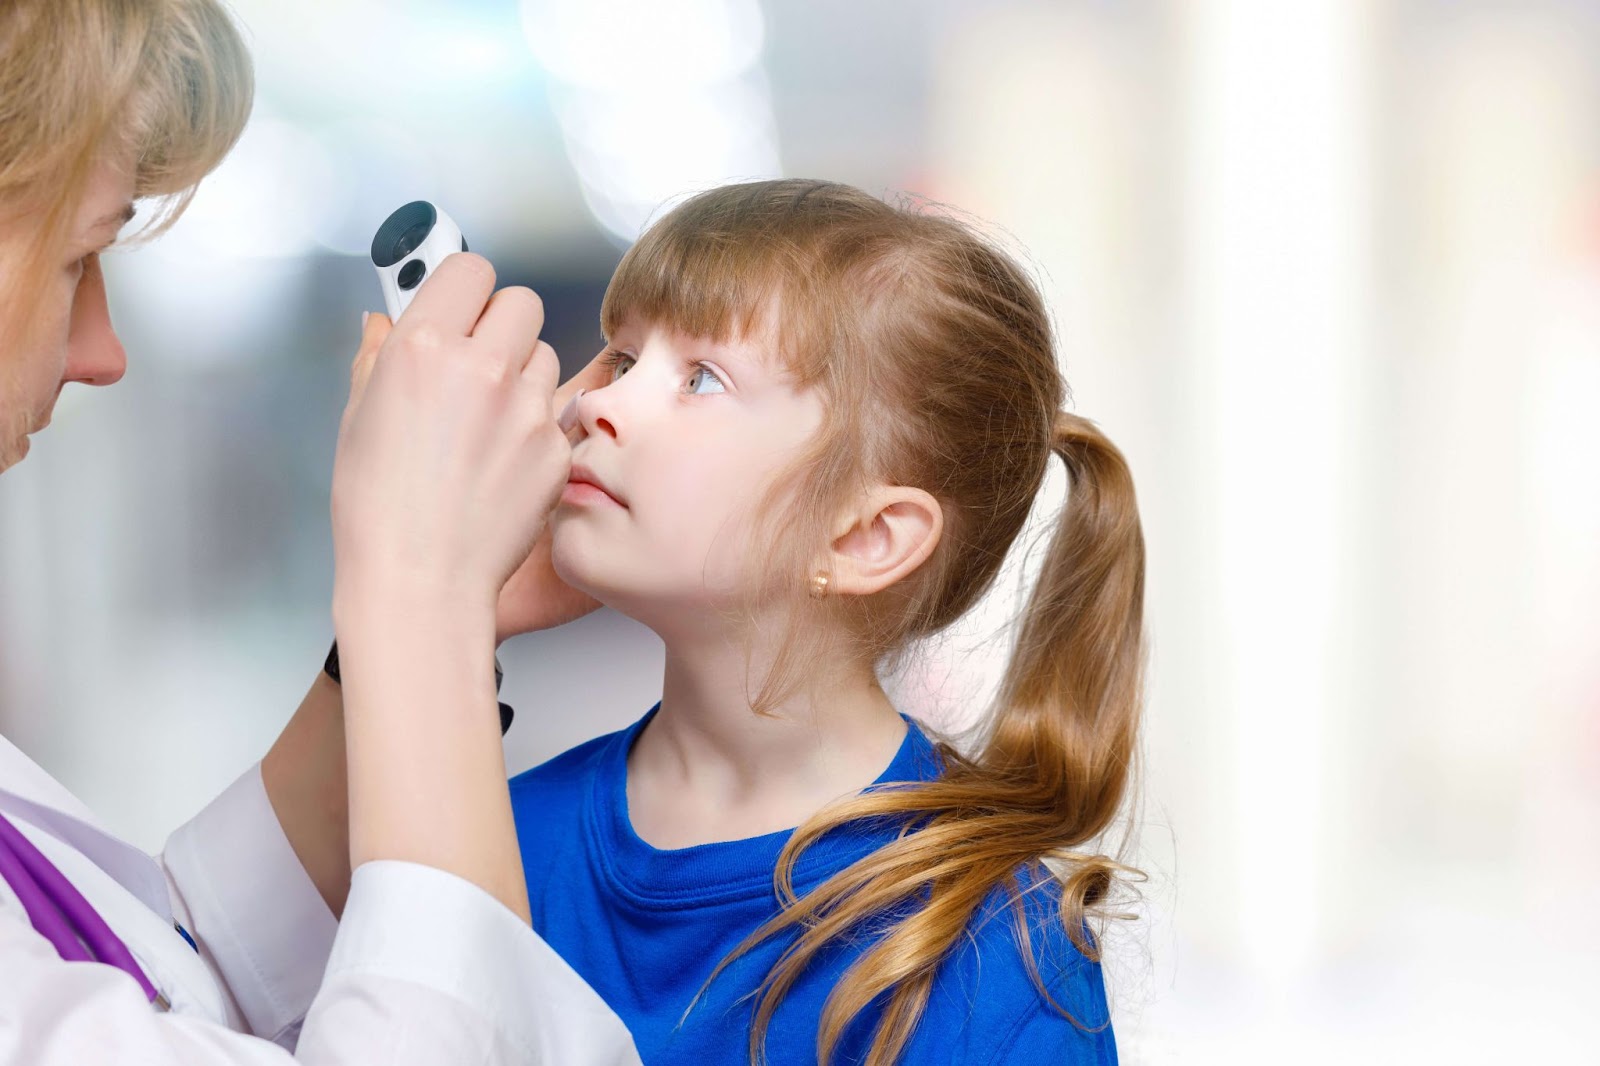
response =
{"points": [[542, 373], [451, 299], [509, 329]]}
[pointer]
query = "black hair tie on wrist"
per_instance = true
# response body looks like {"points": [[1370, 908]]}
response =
{"points": [[330, 667]]}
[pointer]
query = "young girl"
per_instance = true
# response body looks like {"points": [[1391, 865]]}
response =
{"points": [[826, 421]]}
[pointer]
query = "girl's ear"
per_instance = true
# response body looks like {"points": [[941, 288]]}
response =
{"points": [[889, 535]]}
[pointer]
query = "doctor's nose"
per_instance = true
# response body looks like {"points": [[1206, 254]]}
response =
{"points": [[94, 352]]}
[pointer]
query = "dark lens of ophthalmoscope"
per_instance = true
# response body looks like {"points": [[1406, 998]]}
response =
{"points": [[403, 232]]}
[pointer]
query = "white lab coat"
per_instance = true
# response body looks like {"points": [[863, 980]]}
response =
{"points": [[424, 968]]}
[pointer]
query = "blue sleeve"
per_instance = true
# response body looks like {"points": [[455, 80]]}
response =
{"points": [[1045, 1036]]}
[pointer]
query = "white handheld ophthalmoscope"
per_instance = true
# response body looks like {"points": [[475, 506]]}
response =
{"points": [[409, 246]]}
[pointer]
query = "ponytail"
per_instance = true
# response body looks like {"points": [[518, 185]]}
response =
{"points": [[1048, 778]]}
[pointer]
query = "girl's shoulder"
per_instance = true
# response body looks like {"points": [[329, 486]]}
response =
{"points": [[552, 806], [577, 765], [571, 766], [1017, 987], [548, 804]]}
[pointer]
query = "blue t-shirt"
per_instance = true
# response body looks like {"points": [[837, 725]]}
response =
{"points": [[645, 927]]}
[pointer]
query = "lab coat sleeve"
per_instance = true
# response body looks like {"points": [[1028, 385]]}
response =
{"points": [[426, 968], [238, 887], [431, 935], [413, 931]]}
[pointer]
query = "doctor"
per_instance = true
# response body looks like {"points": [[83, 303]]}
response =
{"points": [[249, 940]]}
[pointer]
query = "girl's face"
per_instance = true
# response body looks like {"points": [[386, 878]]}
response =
{"points": [[74, 339], [686, 438]]}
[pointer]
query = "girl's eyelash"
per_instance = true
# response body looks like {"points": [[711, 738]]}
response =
{"points": [[611, 357]]}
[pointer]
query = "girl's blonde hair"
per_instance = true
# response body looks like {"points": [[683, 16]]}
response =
{"points": [[167, 82], [935, 354]]}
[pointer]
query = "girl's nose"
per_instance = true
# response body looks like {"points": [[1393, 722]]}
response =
{"points": [[590, 411]]}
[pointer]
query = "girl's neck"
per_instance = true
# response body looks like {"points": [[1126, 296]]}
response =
{"points": [[707, 768]]}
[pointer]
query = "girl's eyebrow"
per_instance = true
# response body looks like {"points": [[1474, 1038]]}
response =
{"points": [[740, 355]]}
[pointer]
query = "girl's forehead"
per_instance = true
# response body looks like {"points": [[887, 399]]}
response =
{"points": [[751, 352]]}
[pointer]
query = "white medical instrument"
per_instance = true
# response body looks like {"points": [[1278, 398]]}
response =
{"points": [[409, 246]]}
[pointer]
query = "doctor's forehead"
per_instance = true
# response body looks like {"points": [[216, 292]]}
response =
{"points": [[107, 204], [110, 223]]}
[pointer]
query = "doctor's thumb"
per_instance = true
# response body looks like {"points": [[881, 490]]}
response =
{"points": [[375, 328]]}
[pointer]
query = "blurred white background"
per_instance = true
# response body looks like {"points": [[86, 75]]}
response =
{"points": [[1328, 270]]}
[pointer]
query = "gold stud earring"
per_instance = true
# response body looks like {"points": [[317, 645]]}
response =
{"points": [[819, 585]]}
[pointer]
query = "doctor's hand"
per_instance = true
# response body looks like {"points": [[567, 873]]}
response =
{"points": [[534, 597], [449, 457]]}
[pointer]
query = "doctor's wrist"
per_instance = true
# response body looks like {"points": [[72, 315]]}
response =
{"points": [[330, 670], [381, 599]]}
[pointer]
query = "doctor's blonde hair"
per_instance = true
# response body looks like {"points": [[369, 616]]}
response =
{"points": [[168, 81], [935, 355]]}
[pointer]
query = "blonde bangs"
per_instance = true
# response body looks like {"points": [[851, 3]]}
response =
{"points": [[679, 278], [167, 83], [743, 262], [193, 94]]}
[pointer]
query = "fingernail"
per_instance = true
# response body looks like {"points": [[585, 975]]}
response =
{"points": [[364, 316], [569, 414]]}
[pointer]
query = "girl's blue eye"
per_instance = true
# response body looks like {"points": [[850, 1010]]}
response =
{"points": [[613, 362], [709, 377]]}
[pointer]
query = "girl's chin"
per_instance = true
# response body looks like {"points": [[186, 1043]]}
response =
{"points": [[567, 559]]}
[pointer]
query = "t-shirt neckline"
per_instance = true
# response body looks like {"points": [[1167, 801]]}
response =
{"points": [[718, 872]]}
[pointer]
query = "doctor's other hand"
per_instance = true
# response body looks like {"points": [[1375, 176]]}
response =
{"points": [[449, 457], [534, 597]]}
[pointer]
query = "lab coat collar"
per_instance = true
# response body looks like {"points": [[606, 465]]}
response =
{"points": [[28, 792]]}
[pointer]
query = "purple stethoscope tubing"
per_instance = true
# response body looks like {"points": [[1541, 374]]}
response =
{"points": [[59, 912]]}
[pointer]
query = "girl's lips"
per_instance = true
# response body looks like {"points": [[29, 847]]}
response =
{"points": [[580, 472], [582, 492]]}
